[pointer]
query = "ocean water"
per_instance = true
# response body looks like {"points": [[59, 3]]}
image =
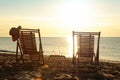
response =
{"points": [[109, 46]]}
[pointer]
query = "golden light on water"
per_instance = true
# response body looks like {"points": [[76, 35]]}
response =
{"points": [[70, 45], [69, 40]]}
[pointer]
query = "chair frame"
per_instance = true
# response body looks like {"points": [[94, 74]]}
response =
{"points": [[19, 51]]}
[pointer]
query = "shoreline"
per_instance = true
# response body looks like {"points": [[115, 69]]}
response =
{"points": [[100, 60]]}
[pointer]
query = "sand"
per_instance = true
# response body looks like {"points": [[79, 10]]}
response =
{"points": [[9, 70]]}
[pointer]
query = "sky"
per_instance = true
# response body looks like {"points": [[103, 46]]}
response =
{"points": [[61, 17]]}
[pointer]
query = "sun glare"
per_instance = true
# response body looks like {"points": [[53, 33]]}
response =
{"points": [[70, 45], [69, 40], [76, 14]]}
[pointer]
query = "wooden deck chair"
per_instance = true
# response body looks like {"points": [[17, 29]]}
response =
{"points": [[26, 44], [85, 50], [85, 44]]}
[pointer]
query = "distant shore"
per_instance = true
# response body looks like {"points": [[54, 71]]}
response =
{"points": [[109, 70]]}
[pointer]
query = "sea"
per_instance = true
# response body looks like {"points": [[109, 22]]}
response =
{"points": [[109, 47]]}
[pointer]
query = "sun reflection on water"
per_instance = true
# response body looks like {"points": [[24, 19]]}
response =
{"points": [[69, 40], [70, 45]]}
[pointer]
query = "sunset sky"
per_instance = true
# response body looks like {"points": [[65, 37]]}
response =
{"points": [[61, 17]]}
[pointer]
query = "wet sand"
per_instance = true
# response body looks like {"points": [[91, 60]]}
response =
{"points": [[9, 70]]}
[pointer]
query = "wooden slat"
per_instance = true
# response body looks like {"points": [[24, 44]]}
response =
{"points": [[26, 36], [86, 39], [86, 36], [29, 51], [86, 33], [83, 59], [28, 30], [28, 47], [86, 55], [28, 42], [86, 45], [85, 50]]}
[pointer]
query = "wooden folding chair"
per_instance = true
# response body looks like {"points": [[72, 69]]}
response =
{"points": [[84, 47], [26, 45]]}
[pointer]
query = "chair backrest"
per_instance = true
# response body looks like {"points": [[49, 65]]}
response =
{"points": [[85, 46], [28, 42]]}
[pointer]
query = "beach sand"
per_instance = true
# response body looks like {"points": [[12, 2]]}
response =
{"points": [[9, 70]]}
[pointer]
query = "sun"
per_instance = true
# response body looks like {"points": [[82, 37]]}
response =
{"points": [[76, 14]]}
